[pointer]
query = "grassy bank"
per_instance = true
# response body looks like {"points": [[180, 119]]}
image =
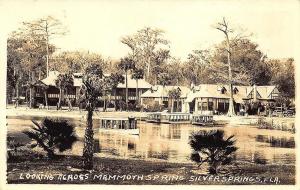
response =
{"points": [[66, 170]]}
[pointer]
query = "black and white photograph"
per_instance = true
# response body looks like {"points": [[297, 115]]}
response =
{"points": [[150, 93]]}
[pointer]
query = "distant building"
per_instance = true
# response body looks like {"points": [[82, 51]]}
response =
{"points": [[210, 97], [159, 95], [52, 91]]}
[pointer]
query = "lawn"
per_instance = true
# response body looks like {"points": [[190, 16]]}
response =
{"points": [[29, 167]]}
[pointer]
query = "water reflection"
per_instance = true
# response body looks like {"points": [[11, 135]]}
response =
{"points": [[282, 142], [170, 142]]}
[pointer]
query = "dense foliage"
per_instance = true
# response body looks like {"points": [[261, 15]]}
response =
{"points": [[52, 135], [149, 51], [212, 147]]}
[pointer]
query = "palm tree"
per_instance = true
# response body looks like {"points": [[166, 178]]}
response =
{"points": [[126, 64], [213, 148], [116, 78], [174, 94], [64, 82], [137, 74], [52, 134], [90, 91], [164, 80]]}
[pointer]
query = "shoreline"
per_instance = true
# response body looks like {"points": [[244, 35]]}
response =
{"points": [[25, 111]]}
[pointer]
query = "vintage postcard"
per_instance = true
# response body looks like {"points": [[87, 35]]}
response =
{"points": [[114, 93]]}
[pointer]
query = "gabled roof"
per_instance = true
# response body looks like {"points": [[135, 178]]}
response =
{"points": [[158, 91], [214, 91], [77, 77], [265, 91]]}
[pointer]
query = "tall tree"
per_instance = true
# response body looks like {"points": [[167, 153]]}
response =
{"points": [[248, 62], [195, 69], [77, 61], [223, 27], [126, 65], [174, 95], [116, 79], [90, 92], [164, 80], [136, 75], [48, 28], [64, 82], [146, 44], [283, 76], [25, 60]]}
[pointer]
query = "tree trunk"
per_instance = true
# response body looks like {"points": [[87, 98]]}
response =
{"points": [[30, 97], [231, 111], [50, 154], [104, 102], [126, 91], [31, 91], [61, 97], [40, 73], [47, 50], [115, 99], [88, 148], [46, 98], [17, 93], [148, 67], [137, 92], [69, 102]]}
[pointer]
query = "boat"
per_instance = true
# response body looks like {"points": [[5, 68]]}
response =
{"points": [[200, 119], [165, 117], [127, 125]]}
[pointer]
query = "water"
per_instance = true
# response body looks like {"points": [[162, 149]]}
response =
{"points": [[169, 142]]}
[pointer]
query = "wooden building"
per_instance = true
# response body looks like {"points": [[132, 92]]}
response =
{"points": [[47, 88], [160, 95], [209, 98]]}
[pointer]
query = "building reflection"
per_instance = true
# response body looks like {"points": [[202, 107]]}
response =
{"points": [[170, 142]]}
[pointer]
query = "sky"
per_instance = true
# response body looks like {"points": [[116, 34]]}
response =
{"points": [[98, 26]]}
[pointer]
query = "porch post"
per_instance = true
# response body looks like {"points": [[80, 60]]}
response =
{"points": [[196, 105], [201, 105]]}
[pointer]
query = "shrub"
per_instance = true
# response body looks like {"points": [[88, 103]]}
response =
{"points": [[121, 105], [52, 135], [12, 147], [213, 148]]}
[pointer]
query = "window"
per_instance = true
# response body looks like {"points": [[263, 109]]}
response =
{"points": [[235, 90], [210, 106], [204, 106]]}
